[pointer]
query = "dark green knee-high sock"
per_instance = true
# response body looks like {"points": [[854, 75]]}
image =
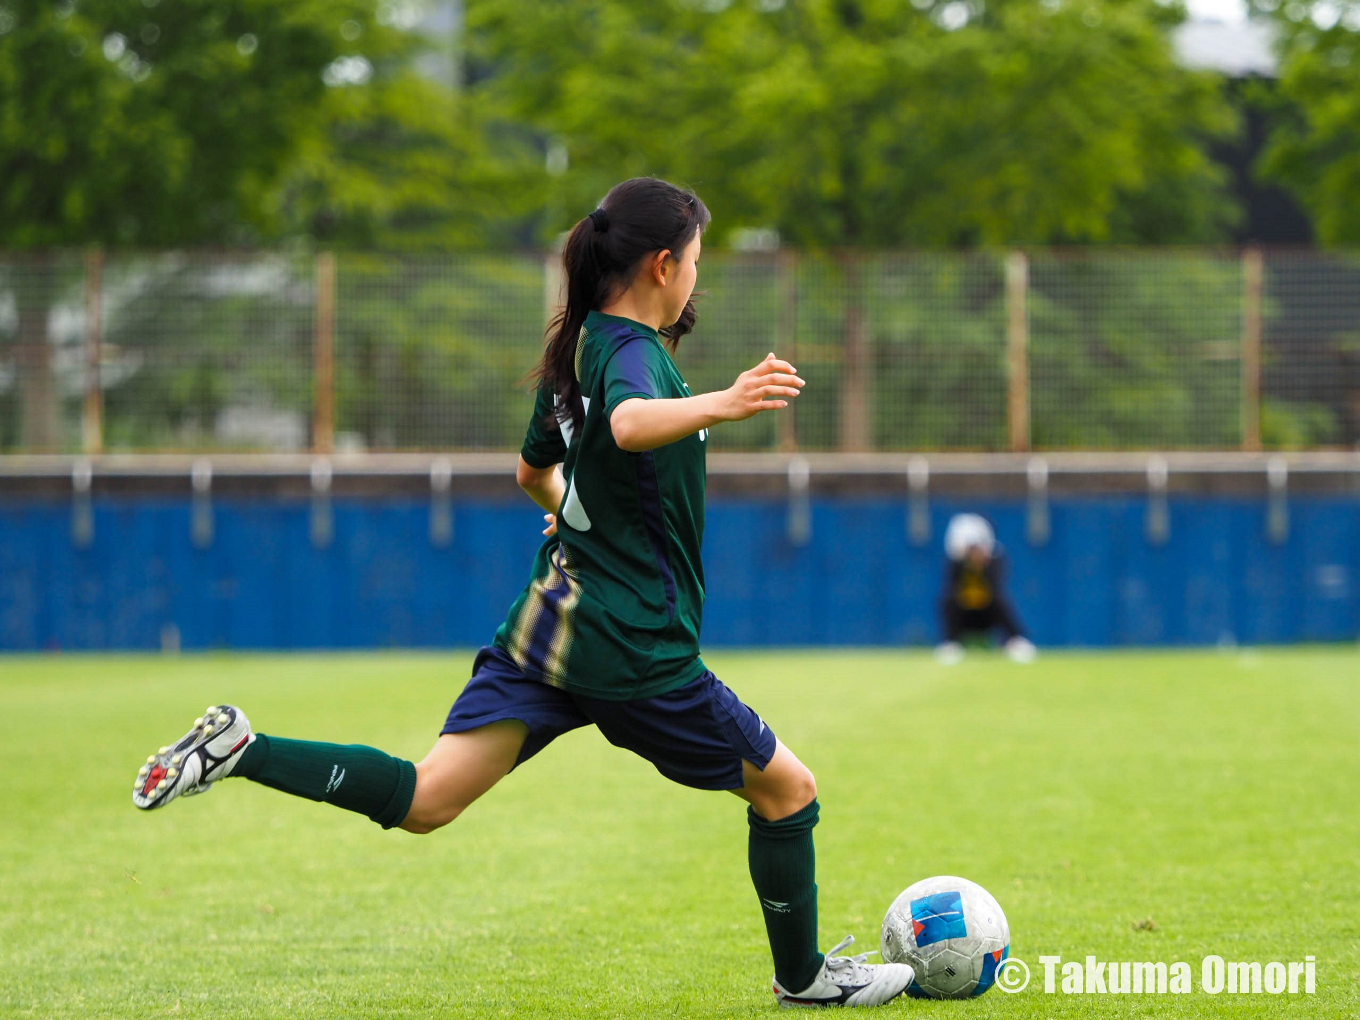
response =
{"points": [[783, 868], [351, 776]]}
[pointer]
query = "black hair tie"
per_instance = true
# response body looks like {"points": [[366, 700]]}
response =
{"points": [[601, 220]]}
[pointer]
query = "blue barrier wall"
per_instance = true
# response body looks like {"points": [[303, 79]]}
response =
{"points": [[382, 582]]}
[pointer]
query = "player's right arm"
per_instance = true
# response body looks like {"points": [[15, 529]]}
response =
{"points": [[640, 424], [538, 471], [543, 485]]}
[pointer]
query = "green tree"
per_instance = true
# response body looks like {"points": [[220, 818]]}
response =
{"points": [[403, 162], [147, 124], [873, 123], [161, 123], [1314, 147], [219, 122], [406, 164]]}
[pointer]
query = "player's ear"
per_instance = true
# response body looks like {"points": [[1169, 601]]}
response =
{"points": [[660, 266]]}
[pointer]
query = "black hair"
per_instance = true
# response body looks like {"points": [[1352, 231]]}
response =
{"points": [[637, 218]]}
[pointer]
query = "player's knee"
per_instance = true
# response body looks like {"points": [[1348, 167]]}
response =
{"points": [[796, 789]]}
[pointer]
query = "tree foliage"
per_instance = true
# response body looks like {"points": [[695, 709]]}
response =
{"points": [[126, 123], [171, 123], [863, 124], [1314, 148], [202, 122], [875, 122]]}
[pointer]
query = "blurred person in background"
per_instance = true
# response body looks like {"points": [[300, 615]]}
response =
{"points": [[974, 602]]}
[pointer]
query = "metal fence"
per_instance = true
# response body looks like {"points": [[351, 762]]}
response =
{"points": [[1082, 349]]}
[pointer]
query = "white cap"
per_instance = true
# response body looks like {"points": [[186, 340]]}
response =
{"points": [[966, 531]]}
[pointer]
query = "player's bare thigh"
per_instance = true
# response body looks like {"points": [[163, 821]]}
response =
{"points": [[459, 769], [783, 788]]}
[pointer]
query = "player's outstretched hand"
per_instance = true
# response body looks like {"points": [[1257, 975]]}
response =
{"points": [[760, 389], [551, 521]]}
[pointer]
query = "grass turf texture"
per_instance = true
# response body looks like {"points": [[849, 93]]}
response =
{"points": [[1213, 793]]}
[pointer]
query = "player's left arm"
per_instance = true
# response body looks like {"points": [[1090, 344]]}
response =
{"points": [[640, 424]]}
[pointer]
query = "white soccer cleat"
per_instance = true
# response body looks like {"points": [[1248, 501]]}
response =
{"points": [[1021, 650], [207, 753], [949, 654], [849, 981]]}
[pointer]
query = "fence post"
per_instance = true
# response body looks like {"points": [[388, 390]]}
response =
{"points": [[1252, 279], [787, 273], [1017, 351], [92, 413], [323, 356], [40, 409], [854, 395]]}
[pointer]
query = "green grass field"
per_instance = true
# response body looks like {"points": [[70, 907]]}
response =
{"points": [[1213, 793]]}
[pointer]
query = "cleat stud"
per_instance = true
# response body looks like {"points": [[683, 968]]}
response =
{"points": [[176, 759], [160, 786], [222, 718], [207, 729], [198, 722], [137, 788], [151, 759], [172, 772], [163, 749], [210, 710]]}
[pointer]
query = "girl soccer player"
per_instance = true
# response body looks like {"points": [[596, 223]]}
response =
{"points": [[607, 631]]}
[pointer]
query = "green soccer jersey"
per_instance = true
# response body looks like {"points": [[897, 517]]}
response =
{"points": [[615, 602]]}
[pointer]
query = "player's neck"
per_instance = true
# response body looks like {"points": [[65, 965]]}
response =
{"points": [[640, 307]]}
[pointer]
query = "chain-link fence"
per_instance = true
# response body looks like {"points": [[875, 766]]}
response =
{"points": [[1078, 349], [42, 338], [181, 351], [1310, 375], [200, 350], [1135, 348], [432, 353]]}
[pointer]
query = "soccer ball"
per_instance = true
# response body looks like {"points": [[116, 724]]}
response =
{"points": [[953, 934]]}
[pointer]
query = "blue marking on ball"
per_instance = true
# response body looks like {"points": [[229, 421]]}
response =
{"points": [[990, 963], [937, 917]]}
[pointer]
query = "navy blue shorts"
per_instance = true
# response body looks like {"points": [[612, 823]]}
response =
{"points": [[697, 735]]}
